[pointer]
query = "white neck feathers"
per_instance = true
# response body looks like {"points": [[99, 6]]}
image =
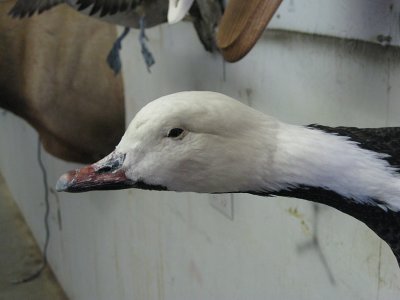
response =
{"points": [[313, 158]]}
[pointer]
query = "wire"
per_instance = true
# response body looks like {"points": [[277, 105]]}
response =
{"points": [[46, 201], [38, 272]]}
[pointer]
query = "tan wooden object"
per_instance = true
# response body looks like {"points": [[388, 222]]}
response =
{"points": [[242, 25]]}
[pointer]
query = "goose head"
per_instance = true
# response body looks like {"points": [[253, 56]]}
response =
{"points": [[190, 141]]}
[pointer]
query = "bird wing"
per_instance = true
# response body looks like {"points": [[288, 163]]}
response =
{"points": [[108, 7], [26, 8]]}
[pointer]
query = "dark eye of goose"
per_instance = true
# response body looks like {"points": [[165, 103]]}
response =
{"points": [[175, 132]]}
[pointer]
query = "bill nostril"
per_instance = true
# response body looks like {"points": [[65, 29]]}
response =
{"points": [[104, 169]]}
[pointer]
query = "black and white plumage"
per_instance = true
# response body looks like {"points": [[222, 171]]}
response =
{"points": [[177, 9], [23, 9], [125, 12], [206, 142], [128, 13]]}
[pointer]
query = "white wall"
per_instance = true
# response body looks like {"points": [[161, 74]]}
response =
{"points": [[162, 245], [356, 19]]}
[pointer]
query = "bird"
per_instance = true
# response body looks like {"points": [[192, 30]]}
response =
{"points": [[116, 11], [126, 13], [207, 142], [138, 14], [177, 10]]}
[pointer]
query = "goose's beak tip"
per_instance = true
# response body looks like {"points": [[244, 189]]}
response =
{"points": [[63, 183]]}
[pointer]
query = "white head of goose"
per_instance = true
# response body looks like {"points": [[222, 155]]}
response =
{"points": [[207, 142]]}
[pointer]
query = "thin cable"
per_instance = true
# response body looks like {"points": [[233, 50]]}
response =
{"points": [[46, 201], [38, 272]]}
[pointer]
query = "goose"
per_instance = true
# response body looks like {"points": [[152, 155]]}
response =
{"points": [[206, 142], [136, 14], [126, 13]]}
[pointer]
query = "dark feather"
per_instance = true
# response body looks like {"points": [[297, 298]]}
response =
{"points": [[108, 7], [122, 7], [97, 5], [26, 8], [206, 15], [382, 140], [83, 4], [115, 7]]}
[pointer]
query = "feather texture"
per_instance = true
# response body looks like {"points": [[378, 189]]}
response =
{"points": [[26, 8], [178, 9]]}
